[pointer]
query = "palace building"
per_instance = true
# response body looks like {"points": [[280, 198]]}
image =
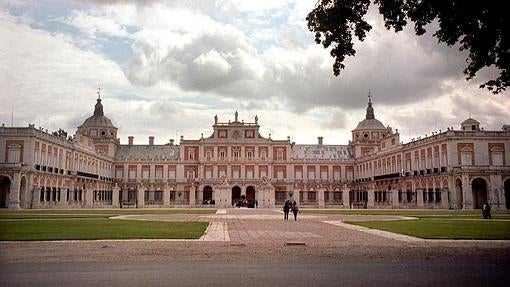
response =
{"points": [[236, 166]]}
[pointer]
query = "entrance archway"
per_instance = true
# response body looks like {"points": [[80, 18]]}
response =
{"points": [[459, 197], [250, 193], [507, 193], [479, 188], [5, 188], [236, 194], [207, 194]]}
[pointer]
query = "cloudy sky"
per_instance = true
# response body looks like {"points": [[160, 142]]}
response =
{"points": [[167, 67]]}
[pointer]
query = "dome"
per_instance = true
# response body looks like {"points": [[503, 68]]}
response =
{"points": [[470, 125], [470, 121], [98, 119], [370, 124]]}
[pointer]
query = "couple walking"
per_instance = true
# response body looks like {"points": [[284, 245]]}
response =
{"points": [[288, 207]]}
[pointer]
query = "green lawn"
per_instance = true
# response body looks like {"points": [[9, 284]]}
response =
{"points": [[86, 229], [93, 213], [430, 228], [445, 214]]}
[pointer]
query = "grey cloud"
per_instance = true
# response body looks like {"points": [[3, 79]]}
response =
{"points": [[338, 120], [491, 111], [398, 68], [419, 122], [218, 62]]}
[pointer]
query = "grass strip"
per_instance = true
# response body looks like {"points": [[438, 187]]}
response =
{"points": [[89, 229], [81, 213], [443, 228], [446, 214]]}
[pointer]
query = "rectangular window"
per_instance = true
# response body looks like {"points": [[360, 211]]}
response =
{"points": [[312, 196], [497, 158], [171, 173], [466, 157], [132, 173], [158, 196], [159, 173]]}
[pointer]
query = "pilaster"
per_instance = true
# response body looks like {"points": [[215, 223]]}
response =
{"points": [[371, 198], [115, 196], [394, 198], [321, 197], [141, 196], [419, 197], [14, 202]]}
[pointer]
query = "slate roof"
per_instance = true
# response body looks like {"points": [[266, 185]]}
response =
{"points": [[147, 152], [322, 152]]}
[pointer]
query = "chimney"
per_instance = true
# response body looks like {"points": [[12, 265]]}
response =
{"points": [[171, 141], [320, 140], [130, 140], [151, 140]]}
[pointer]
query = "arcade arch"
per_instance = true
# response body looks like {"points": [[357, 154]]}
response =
{"points": [[479, 189], [5, 188]]}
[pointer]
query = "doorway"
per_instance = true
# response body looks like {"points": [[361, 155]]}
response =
{"points": [[479, 188]]}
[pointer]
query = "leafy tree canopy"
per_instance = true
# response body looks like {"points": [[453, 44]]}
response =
{"points": [[480, 27]]}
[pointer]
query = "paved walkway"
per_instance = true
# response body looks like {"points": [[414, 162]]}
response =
{"points": [[242, 225]]}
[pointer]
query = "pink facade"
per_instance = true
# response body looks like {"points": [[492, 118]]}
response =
{"points": [[457, 168]]}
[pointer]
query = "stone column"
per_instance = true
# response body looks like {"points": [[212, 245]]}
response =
{"points": [[320, 192], [496, 192], [14, 191], [192, 195], [345, 196], [419, 197], [371, 198], [200, 194], [89, 197], [295, 195], [141, 196], [467, 192], [115, 196], [394, 198], [444, 197], [166, 196]]}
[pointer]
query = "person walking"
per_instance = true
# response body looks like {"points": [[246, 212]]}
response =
{"points": [[486, 211], [295, 210], [286, 209]]}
